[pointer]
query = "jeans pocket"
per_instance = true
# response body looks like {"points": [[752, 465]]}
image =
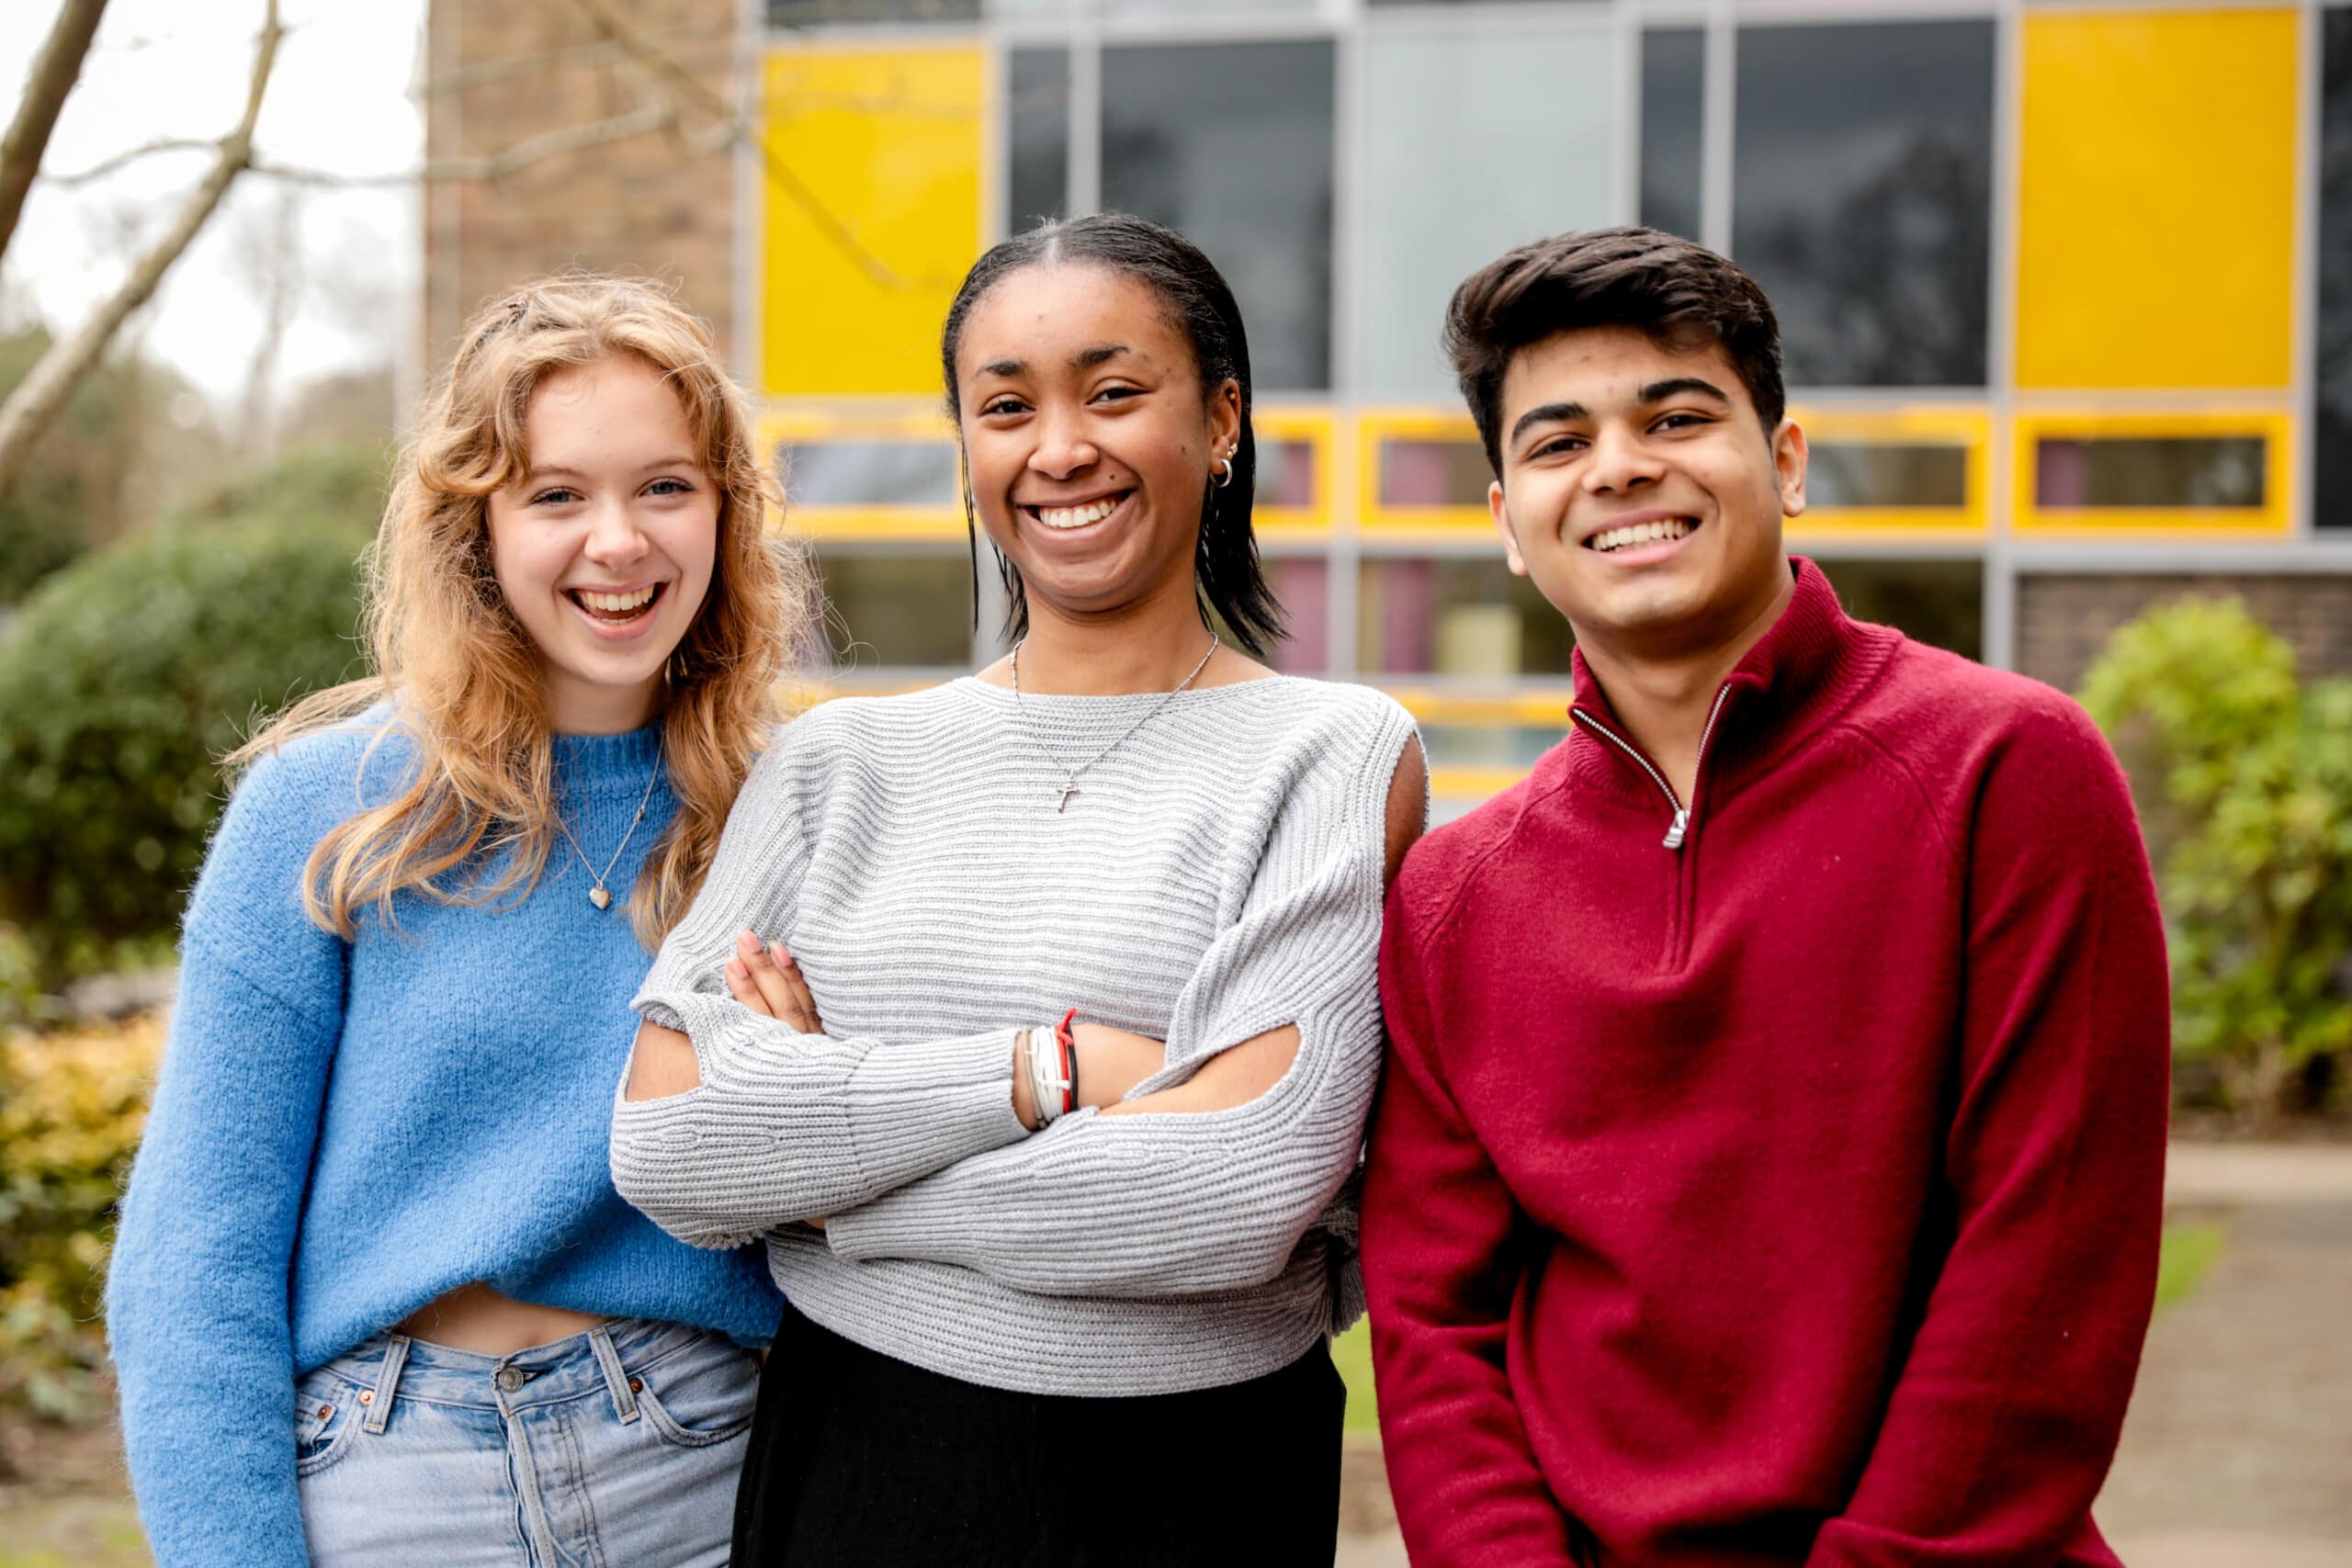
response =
{"points": [[326, 1415], [700, 1396]]}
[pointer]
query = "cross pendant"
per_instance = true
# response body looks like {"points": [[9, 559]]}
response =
{"points": [[1068, 789]]}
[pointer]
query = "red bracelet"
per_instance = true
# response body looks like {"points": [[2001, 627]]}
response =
{"points": [[1069, 1043]]}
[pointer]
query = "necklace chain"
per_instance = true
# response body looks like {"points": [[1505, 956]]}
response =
{"points": [[1070, 775], [600, 894]]}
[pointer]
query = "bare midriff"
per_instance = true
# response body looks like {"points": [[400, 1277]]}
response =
{"points": [[475, 1317]]}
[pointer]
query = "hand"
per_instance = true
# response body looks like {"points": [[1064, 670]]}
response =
{"points": [[764, 977]]}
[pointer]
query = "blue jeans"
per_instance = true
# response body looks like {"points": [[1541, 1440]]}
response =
{"points": [[619, 1447]]}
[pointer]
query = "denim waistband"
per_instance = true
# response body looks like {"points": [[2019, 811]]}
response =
{"points": [[603, 1360]]}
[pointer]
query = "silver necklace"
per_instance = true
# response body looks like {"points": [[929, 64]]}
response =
{"points": [[1069, 785], [600, 894]]}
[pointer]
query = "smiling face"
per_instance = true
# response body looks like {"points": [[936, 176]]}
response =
{"points": [[604, 550], [1090, 437], [1640, 492]]}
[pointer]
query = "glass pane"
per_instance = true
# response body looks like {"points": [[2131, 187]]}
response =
{"points": [[897, 610], [1478, 140], [1940, 602], [869, 473], [1202, 7], [1433, 473], [2334, 497], [1037, 137], [1468, 617], [1490, 745], [1302, 585], [1862, 197], [1232, 144], [803, 13], [2133, 472], [1673, 91], [1871, 474], [1285, 473]]}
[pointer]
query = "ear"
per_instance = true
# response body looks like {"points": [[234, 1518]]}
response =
{"points": [[1502, 514], [1790, 455], [1224, 420]]}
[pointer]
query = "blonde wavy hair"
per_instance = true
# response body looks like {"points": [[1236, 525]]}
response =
{"points": [[465, 680]]}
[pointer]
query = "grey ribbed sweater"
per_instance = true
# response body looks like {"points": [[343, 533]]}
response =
{"points": [[1218, 875]]}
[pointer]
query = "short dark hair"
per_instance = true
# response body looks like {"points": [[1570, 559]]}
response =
{"points": [[1229, 579], [1679, 293]]}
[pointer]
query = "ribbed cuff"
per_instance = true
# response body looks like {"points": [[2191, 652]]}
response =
{"points": [[949, 1098]]}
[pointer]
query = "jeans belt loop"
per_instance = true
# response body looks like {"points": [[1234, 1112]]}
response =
{"points": [[388, 1383], [616, 1379]]}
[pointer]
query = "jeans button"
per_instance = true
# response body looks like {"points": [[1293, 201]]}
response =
{"points": [[510, 1379]]}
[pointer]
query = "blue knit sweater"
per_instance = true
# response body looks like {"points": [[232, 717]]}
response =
{"points": [[344, 1131]]}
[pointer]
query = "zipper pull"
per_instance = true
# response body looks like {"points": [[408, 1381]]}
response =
{"points": [[1674, 834]]}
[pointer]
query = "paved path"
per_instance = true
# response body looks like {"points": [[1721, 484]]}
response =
{"points": [[2237, 1452]]}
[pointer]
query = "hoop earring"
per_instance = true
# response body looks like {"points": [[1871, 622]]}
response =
{"points": [[1222, 475]]}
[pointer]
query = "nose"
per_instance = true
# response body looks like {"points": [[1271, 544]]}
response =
{"points": [[1062, 448], [614, 540], [1620, 461]]}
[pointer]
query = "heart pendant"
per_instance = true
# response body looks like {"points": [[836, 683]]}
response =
{"points": [[601, 898]]}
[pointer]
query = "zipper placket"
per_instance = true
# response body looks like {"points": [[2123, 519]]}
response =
{"points": [[1680, 828]]}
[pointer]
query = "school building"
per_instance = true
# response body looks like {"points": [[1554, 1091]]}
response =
{"points": [[2065, 289]]}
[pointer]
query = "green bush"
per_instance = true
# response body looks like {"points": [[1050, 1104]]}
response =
{"points": [[2251, 825], [123, 681], [71, 491]]}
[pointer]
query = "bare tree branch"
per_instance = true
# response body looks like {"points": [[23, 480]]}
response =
{"points": [[53, 75], [34, 405], [116, 162]]}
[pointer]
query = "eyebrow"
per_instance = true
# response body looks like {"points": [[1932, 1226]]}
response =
{"points": [[1084, 359], [558, 471], [1655, 392]]}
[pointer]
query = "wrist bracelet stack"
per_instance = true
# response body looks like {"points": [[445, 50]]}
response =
{"points": [[1050, 1058]]}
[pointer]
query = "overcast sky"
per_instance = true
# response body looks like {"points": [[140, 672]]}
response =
{"points": [[339, 101]]}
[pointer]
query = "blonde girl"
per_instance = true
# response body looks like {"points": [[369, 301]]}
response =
{"points": [[375, 1299]]}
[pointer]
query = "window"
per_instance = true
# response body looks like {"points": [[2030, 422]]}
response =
{"points": [[2149, 471], [869, 473], [1940, 602], [2333, 493], [1418, 473], [1232, 144], [1862, 197], [1875, 474], [1464, 616], [1475, 141], [1674, 90], [898, 610], [1036, 137], [1301, 586], [2143, 131]]}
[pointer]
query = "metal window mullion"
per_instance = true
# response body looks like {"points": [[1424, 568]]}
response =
{"points": [[2302, 518], [1720, 85], [1083, 171], [1625, 168]]}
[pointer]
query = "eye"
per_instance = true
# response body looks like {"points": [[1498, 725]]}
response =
{"points": [[1683, 420], [556, 495], [1556, 445], [1121, 394], [1004, 404], [667, 486]]}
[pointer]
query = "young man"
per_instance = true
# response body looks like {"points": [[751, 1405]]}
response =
{"points": [[1769, 1168]]}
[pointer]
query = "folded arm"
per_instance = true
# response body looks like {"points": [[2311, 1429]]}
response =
{"points": [[1206, 1180]]}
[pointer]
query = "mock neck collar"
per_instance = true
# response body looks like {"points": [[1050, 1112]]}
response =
{"points": [[604, 765], [1809, 664]]}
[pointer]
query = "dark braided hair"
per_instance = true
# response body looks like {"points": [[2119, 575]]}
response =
{"points": [[1229, 581]]}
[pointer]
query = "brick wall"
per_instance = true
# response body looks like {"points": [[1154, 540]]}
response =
{"points": [[501, 73], [2064, 621]]}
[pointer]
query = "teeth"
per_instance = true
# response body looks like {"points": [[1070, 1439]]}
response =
{"points": [[617, 603], [1642, 534], [1077, 516]]}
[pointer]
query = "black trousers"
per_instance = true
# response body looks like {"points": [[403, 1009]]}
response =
{"points": [[858, 1460]]}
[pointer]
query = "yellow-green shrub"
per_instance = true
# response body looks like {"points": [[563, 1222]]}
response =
{"points": [[72, 1105]]}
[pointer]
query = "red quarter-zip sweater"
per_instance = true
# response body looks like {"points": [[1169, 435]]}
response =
{"points": [[1791, 1196]]}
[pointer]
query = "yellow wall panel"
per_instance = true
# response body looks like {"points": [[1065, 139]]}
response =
{"points": [[2156, 221], [891, 144]]}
